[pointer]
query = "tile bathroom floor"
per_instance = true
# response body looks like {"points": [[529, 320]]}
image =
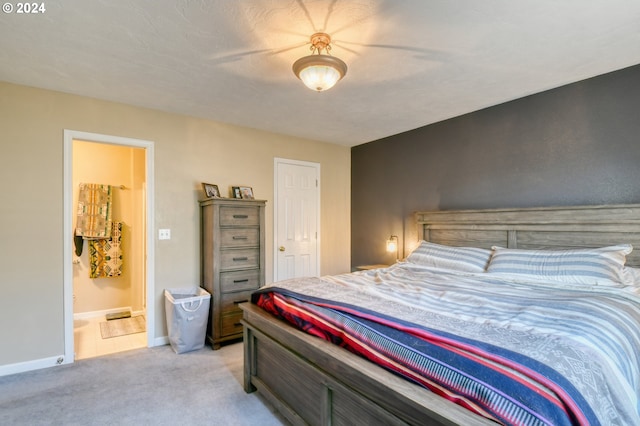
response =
{"points": [[88, 342]]}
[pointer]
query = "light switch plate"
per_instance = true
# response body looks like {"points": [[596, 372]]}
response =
{"points": [[164, 234]]}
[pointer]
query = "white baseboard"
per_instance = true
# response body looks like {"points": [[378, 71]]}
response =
{"points": [[161, 341], [36, 364], [103, 313]]}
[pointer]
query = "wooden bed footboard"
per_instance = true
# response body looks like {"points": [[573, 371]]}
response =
{"points": [[311, 381]]}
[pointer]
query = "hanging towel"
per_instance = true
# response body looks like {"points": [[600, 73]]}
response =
{"points": [[94, 211], [105, 256], [78, 242]]}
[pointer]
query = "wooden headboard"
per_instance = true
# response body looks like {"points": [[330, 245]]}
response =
{"points": [[535, 228]]}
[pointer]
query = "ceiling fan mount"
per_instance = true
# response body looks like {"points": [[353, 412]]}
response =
{"points": [[320, 42]]}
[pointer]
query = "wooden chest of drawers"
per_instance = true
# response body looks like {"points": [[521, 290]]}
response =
{"points": [[232, 261]]}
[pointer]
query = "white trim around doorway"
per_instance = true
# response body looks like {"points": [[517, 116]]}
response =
{"points": [[69, 137]]}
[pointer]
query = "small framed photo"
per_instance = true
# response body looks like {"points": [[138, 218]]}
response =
{"points": [[211, 190], [236, 192], [246, 192]]}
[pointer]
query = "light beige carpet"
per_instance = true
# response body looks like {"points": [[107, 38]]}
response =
{"points": [[142, 387], [123, 326]]}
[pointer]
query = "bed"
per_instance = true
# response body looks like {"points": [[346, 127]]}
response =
{"points": [[566, 343]]}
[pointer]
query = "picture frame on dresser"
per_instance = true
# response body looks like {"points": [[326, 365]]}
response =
{"points": [[235, 190], [211, 190], [246, 192]]}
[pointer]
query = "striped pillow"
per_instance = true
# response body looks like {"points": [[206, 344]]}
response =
{"points": [[602, 266], [466, 259]]}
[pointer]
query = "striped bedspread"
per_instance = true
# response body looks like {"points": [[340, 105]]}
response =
{"points": [[529, 353]]}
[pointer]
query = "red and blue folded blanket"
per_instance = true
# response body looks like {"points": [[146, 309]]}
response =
{"points": [[493, 382]]}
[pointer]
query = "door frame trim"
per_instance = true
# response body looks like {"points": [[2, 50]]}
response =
{"points": [[277, 161], [148, 146]]}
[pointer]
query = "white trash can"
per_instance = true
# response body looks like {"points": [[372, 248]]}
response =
{"points": [[187, 311]]}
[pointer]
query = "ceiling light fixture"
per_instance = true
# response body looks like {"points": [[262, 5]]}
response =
{"points": [[317, 71]]}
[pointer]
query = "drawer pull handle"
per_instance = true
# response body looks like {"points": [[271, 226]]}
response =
{"points": [[240, 301], [240, 216], [239, 237], [240, 259], [237, 324], [241, 281]]}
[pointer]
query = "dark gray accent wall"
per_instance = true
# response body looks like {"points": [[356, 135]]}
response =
{"points": [[575, 145]]}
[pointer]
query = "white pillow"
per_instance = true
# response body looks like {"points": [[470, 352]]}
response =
{"points": [[597, 266], [466, 259]]}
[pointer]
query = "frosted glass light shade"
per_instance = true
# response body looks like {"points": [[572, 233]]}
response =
{"points": [[319, 78], [319, 72], [392, 244]]}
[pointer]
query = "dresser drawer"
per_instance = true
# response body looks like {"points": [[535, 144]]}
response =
{"points": [[240, 280], [239, 259], [240, 237], [239, 216], [229, 301], [231, 324]]}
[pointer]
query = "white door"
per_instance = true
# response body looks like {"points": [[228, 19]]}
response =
{"points": [[296, 217]]}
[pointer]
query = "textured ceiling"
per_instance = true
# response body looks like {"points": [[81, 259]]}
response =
{"points": [[411, 63]]}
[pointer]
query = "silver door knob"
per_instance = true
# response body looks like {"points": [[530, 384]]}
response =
{"points": [[281, 248]]}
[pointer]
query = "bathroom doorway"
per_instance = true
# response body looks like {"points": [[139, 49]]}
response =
{"points": [[95, 298]]}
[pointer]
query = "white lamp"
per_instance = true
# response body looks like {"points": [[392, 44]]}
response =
{"points": [[317, 71]]}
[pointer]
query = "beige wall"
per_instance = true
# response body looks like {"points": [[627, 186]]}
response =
{"points": [[188, 151]]}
